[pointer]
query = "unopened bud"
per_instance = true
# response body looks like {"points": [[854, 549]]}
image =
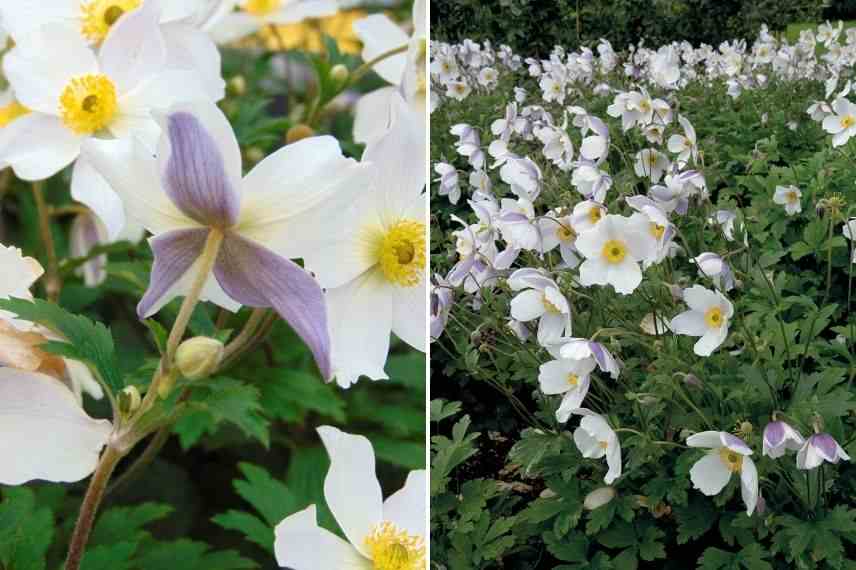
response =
{"points": [[598, 498], [254, 154], [129, 400], [238, 85], [298, 132], [198, 357], [340, 74]]}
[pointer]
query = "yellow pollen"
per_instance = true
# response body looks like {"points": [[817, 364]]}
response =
{"points": [[401, 253], [603, 444], [261, 7], [12, 111], [459, 87], [657, 230], [565, 233], [88, 103], [848, 121], [732, 460], [614, 251], [713, 317], [792, 197], [98, 16], [595, 215], [394, 549], [645, 106], [549, 306], [573, 380]]}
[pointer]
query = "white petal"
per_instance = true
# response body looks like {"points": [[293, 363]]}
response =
{"points": [[589, 446], [690, 323], [749, 485], [131, 170], [45, 433], [134, 49], [40, 67], [553, 377], [37, 146], [593, 272], [93, 190], [372, 112], [613, 460], [379, 34], [700, 299], [293, 12], [234, 26], [709, 474], [527, 305], [360, 322], [191, 49], [351, 486], [407, 508], [301, 544], [708, 439], [710, 341], [410, 313], [625, 277], [20, 19]]}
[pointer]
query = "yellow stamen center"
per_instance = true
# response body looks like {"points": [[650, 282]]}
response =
{"points": [[98, 16], [732, 459], [459, 87], [565, 233], [88, 103], [603, 444], [657, 230], [595, 215], [573, 380], [645, 106], [614, 251], [713, 317], [549, 306], [261, 7], [401, 253], [792, 197], [393, 549], [848, 121], [10, 112]]}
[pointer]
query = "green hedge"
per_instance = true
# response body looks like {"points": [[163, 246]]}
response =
{"points": [[534, 27]]}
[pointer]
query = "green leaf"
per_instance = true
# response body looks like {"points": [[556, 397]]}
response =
{"points": [[126, 523], [251, 526], [117, 556], [86, 341], [189, 555], [26, 531], [289, 394], [271, 498]]}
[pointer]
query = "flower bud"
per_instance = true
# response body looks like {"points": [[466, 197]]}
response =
{"points": [[198, 357], [339, 74], [129, 400], [298, 132], [237, 85], [598, 498]]}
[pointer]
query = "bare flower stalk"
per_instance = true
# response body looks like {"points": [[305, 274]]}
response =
{"points": [[53, 283]]}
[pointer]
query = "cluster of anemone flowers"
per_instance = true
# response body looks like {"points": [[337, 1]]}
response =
{"points": [[551, 218], [124, 94]]}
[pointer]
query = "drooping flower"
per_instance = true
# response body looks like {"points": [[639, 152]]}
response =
{"points": [[595, 439], [818, 448], [708, 318], [613, 250], [77, 96], [46, 434], [192, 197], [568, 377], [388, 535], [728, 455], [583, 348], [789, 197], [778, 437], [716, 269], [374, 265], [540, 299]]}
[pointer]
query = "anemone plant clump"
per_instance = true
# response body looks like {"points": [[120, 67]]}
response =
{"points": [[643, 301]]}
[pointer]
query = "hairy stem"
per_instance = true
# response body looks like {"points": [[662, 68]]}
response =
{"points": [[53, 284]]}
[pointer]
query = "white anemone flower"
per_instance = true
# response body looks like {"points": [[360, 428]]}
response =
{"points": [[388, 535], [789, 197], [595, 439], [613, 250], [849, 232], [587, 215], [818, 448], [708, 318], [540, 299], [568, 377], [556, 230], [651, 164], [779, 437], [728, 455], [841, 124], [458, 90], [685, 145], [77, 96], [448, 181]]}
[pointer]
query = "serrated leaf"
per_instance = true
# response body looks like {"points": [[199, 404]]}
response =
{"points": [[125, 523], [252, 527], [189, 555], [26, 531]]}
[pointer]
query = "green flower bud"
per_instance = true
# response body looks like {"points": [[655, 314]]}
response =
{"points": [[198, 357]]}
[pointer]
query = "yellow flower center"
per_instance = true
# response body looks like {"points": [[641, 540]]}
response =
{"points": [[713, 317], [261, 7], [88, 103], [595, 215], [565, 233], [10, 112], [573, 380], [459, 87], [98, 16], [848, 121], [393, 549], [792, 197], [614, 251], [652, 159], [645, 106], [603, 444], [401, 253], [732, 459], [551, 308], [657, 230]]}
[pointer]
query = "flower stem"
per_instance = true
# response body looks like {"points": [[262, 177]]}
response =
{"points": [[53, 284], [89, 508], [366, 67]]}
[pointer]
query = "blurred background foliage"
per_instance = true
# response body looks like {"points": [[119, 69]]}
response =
{"points": [[247, 455], [538, 26]]}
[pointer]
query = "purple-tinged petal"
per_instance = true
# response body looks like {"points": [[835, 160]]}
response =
{"points": [[736, 444], [257, 277], [195, 176], [774, 434], [175, 252], [826, 446]]}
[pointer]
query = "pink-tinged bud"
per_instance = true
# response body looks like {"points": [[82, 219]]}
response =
{"points": [[778, 437], [819, 448], [87, 232]]}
